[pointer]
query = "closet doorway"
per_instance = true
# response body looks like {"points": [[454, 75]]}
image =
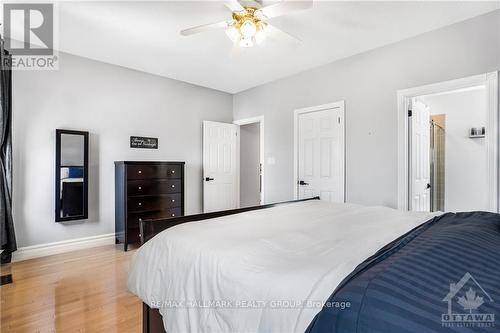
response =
{"points": [[251, 163], [451, 146]]}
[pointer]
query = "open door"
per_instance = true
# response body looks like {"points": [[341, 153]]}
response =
{"points": [[220, 166], [420, 157]]}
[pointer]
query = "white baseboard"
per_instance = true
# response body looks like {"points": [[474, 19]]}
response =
{"points": [[42, 250]]}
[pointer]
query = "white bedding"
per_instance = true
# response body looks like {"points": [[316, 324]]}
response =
{"points": [[295, 252]]}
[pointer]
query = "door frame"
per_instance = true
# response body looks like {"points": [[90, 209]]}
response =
{"points": [[296, 113], [490, 81], [246, 121]]}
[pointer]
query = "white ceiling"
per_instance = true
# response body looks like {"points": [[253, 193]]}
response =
{"points": [[145, 36]]}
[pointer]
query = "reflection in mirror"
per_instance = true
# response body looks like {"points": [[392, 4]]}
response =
{"points": [[72, 150], [71, 191], [71, 164]]}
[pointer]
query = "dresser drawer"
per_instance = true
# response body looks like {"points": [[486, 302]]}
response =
{"points": [[146, 190], [133, 218], [151, 203], [153, 187], [151, 171]]}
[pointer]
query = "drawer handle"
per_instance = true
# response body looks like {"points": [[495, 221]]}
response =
{"points": [[173, 186], [140, 187], [173, 215], [140, 203], [140, 171], [173, 171], [173, 200]]}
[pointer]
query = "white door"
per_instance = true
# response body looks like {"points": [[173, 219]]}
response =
{"points": [[220, 163], [420, 155], [321, 154]]}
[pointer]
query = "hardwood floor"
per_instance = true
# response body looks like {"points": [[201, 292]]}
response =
{"points": [[80, 291]]}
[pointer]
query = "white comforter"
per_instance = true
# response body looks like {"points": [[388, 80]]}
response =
{"points": [[280, 258]]}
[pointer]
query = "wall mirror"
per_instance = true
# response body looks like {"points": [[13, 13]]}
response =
{"points": [[72, 151]]}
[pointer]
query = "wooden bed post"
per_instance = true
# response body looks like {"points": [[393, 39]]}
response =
{"points": [[145, 318], [152, 321]]}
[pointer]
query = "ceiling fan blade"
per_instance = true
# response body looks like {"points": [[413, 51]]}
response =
{"points": [[205, 27], [234, 5], [282, 8], [275, 33], [254, 3]]}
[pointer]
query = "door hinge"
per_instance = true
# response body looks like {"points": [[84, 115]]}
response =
{"points": [[410, 113]]}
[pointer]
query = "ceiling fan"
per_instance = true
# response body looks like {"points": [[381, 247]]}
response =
{"points": [[248, 25]]}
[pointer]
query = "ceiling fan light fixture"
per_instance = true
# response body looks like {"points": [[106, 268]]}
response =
{"points": [[248, 28], [259, 15]]}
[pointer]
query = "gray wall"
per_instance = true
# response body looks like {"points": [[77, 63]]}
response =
{"points": [[111, 103], [250, 165], [368, 83]]}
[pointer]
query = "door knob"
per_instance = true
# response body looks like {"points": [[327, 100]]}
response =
{"points": [[301, 182], [207, 179]]}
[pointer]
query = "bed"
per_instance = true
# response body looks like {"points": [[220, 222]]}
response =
{"points": [[261, 269]]}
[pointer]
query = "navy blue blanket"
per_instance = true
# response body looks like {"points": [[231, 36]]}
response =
{"points": [[443, 276]]}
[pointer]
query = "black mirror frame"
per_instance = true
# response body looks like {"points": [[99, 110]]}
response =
{"points": [[85, 176]]}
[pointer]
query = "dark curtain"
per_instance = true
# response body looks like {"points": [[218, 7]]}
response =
{"points": [[8, 237]]}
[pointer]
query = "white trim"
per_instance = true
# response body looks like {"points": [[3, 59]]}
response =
{"points": [[246, 121], [492, 139], [296, 113], [42, 250], [490, 81]]}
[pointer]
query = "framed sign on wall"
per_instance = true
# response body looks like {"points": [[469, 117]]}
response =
{"points": [[143, 142]]}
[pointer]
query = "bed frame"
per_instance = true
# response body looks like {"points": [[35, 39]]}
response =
{"points": [[152, 321]]}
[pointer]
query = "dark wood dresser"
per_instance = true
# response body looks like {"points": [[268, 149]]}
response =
{"points": [[145, 190]]}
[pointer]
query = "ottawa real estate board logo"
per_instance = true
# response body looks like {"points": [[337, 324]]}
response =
{"points": [[30, 36], [465, 299]]}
